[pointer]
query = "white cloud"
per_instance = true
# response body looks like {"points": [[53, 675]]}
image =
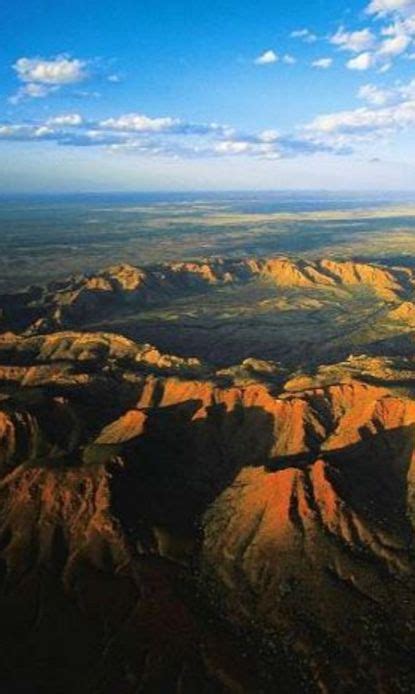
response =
{"points": [[363, 61], [400, 26], [43, 131], [393, 110], [137, 122], [354, 41], [377, 96], [357, 120], [232, 147], [374, 95], [31, 90], [382, 57], [304, 34], [163, 137], [66, 119], [288, 59], [322, 63], [395, 45], [267, 58], [9, 131], [269, 136], [36, 91], [42, 77], [140, 123], [379, 49], [383, 7], [57, 71], [25, 132]]}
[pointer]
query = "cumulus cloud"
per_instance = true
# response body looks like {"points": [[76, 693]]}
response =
{"points": [[266, 58], [382, 7], [288, 59], [66, 119], [387, 110], [377, 47], [357, 120], [136, 122], [25, 132], [374, 95], [392, 110], [164, 136], [58, 71], [41, 77], [32, 90], [354, 41], [384, 54], [363, 61], [261, 146], [395, 45], [140, 123], [322, 63], [305, 35], [378, 96], [232, 147]]}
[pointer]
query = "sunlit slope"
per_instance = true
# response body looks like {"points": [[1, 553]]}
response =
{"points": [[281, 309]]}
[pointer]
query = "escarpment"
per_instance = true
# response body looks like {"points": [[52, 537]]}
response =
{"points": [[289, 311], [166, 525], [71, 302]]}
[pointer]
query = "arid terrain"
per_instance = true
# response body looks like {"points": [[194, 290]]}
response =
{"points": [[49, 238], [207, 347], [229, 510], [296, 312]]}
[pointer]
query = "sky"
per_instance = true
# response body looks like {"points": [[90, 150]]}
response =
{"points": [[167, 95]]}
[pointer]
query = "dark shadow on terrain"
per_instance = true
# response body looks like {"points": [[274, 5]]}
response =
{"points": [[159, 637], [402, 383], [180, 464], [400, 345], [371, 476], [144, 626]]}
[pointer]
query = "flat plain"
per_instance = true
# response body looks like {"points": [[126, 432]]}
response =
{"points": [[48, 238]]}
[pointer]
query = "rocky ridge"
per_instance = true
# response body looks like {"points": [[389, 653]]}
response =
{"points": [[170, 525], [132, 482], [72, 302]]}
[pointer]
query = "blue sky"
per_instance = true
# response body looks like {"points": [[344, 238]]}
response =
{"points": [[183, 95]]}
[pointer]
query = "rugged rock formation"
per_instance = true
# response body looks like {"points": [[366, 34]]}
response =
{"points": [[79, 300], [168, 524], [405, 312], [168, 527]]}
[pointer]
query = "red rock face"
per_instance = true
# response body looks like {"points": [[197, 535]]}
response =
{"points": [[162, 532]]}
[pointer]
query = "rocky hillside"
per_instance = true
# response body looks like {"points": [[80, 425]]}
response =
{"points": [[76, 301], [166, 526]]}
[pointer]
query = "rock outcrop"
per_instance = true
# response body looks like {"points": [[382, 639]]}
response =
{"points": [[85, 299]]}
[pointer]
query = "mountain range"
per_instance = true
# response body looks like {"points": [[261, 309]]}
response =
{"points": [[220, 517]]}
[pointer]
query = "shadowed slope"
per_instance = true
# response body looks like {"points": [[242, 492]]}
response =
{"points": [[161, 532]]}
